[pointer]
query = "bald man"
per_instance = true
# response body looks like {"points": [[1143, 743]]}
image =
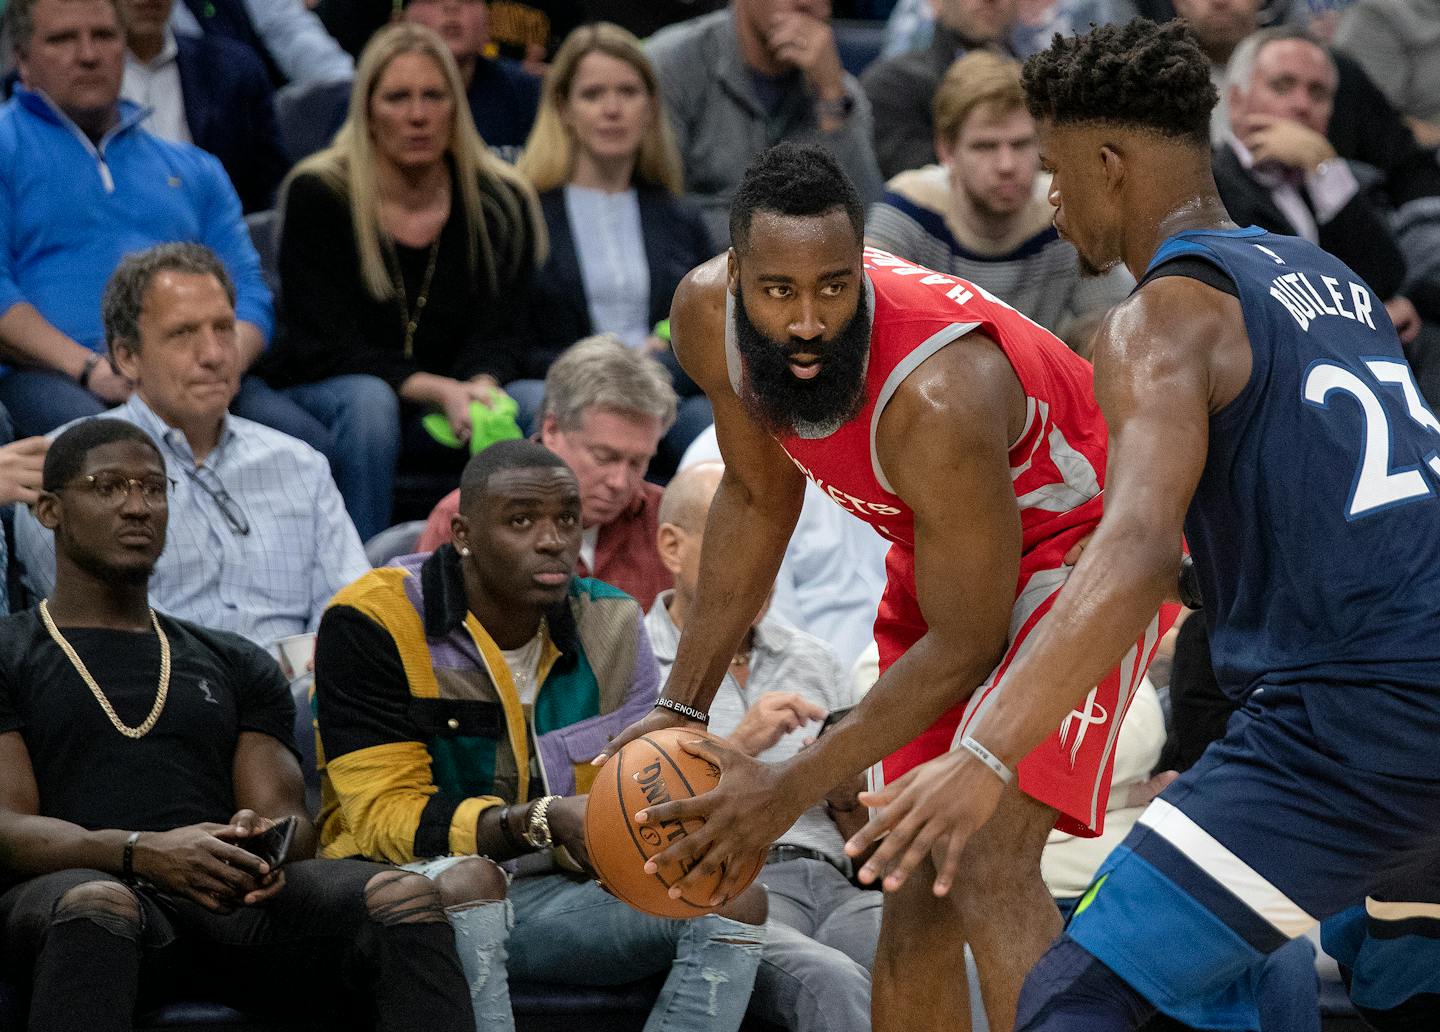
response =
{"points": [[781, 684]]}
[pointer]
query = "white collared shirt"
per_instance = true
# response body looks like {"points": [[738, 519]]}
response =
{"points": [[269, 580], [1331, 187], [155, 84]]}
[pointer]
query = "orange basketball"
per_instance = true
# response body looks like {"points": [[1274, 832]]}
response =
{"points": [[650, 770]]}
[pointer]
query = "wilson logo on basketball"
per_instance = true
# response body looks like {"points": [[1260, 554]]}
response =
{"points": [[645, 775]]}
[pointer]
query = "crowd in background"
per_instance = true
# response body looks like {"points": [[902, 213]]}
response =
{"points": [[323, 252]]}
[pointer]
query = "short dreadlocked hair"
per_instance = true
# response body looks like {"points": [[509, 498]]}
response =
{"points": [[1138, 74], [794, 179]]}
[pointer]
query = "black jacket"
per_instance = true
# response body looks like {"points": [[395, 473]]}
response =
{"points": [[675, 242], [1358, 235], [230, 110]]}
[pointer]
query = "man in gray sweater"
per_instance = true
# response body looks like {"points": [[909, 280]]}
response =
{"points": [[759, 73]]}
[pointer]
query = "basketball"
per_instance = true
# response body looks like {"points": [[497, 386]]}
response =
{"points": [[650, 770]]}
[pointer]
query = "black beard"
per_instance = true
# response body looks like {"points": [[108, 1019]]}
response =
{"points": [[779, 400]]}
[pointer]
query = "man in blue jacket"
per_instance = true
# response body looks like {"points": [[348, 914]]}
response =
{"points": [[105, 187]]}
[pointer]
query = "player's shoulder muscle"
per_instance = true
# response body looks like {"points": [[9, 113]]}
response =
{"points": [[697, 321], [963, 400], [1173, 330]]}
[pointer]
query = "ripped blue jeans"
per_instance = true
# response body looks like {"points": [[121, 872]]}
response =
{"points": [[480, 933], [571, 931]]}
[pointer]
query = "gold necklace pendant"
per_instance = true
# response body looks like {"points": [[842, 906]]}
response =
{"points": [[161, 694]]}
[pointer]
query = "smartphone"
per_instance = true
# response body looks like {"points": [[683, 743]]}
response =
{"points": [[832, 718], [273, 844]]}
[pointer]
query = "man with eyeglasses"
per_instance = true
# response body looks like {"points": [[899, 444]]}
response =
{"points": [[259, 537], [606, 408], [144, 760]]}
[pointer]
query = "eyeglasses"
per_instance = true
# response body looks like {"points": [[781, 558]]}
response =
{"points": [[114, 488], [229, 508]]}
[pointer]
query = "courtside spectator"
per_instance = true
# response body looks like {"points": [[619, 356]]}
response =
{"points": [[741, 80], [1219, 26], [124, 871], [1397, 42], [982, 212], [606, 408], [779, 686], [1276, 169], [258, 536], [503, 96], [902, 88], [437, 677], [1039, 20], [105, 187], [833, 573], [206, 90], [603, 158], [285, 34], [406, 255]]}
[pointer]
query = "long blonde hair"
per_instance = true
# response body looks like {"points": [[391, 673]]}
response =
{"points": [[348, 165], [549, 157]]}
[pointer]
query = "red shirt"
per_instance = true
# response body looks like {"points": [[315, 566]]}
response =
{"points": [[625, 552]]}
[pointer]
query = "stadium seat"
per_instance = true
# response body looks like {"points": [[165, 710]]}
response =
{"points": [[393, 541], [309, 113], [264, 227]]}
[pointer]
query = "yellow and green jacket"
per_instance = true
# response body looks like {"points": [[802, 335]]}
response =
{"points": [[420, 727]]}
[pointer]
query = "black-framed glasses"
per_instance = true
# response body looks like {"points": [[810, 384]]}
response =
{"points": [[114, 488], [229, 508]]}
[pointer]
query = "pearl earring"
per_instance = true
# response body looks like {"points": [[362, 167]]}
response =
{"points": [[465, 551]]}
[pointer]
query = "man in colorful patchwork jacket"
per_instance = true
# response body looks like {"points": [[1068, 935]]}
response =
{"points": [[460, 697]]}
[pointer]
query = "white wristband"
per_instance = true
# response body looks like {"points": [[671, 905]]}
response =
{"points": [[985, 756]]}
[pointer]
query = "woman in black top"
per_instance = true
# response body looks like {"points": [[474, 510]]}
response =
{"points": [[406, 255]]}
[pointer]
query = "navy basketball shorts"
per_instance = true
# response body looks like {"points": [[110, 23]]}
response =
{"points": [[1391, 943], [1270, 833]]}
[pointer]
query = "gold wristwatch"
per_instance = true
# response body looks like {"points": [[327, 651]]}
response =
{"points": [[537, 824]]}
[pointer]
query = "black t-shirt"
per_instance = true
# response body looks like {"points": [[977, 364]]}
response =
{"points": [[181, 772]]}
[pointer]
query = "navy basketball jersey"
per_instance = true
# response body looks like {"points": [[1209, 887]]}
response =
{"points": [[1316, 523]]}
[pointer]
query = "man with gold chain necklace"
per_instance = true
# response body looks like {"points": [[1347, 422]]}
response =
{"points": [[142, 761]]}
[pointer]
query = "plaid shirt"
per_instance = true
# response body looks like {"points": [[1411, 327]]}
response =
{"points": [[272, 581]]}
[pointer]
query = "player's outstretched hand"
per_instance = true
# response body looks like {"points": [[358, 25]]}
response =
{"points": [[656, 720], [743, 814], [931, 811]]}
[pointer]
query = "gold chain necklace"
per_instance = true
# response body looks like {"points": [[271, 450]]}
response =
{"points": [[412, 315], [161, 694]]}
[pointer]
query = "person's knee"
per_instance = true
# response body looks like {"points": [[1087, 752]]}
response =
{"points": [[402, 898], [371, 406], [110, 904], [473, 880], [751, 907]]}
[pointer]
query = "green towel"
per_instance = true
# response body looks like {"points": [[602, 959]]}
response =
{"points": [[488, 424]]}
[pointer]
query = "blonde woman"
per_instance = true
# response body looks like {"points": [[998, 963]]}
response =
{"points": [[604, 162], [406, 256]]}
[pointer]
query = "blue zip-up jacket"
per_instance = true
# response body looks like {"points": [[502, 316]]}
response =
{"points": [[70, 209]]}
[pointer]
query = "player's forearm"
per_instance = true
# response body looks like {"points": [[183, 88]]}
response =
{"points": [[30, 338], [32, 846], [933, 675], [745, 540], [1114, 592]]}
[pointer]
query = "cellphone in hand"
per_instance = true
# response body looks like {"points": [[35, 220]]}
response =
{"points": [[272, 844], [832, 718]]}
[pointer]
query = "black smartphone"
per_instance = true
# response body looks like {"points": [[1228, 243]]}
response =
{"points": [[832, 718], [273, 844]]}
